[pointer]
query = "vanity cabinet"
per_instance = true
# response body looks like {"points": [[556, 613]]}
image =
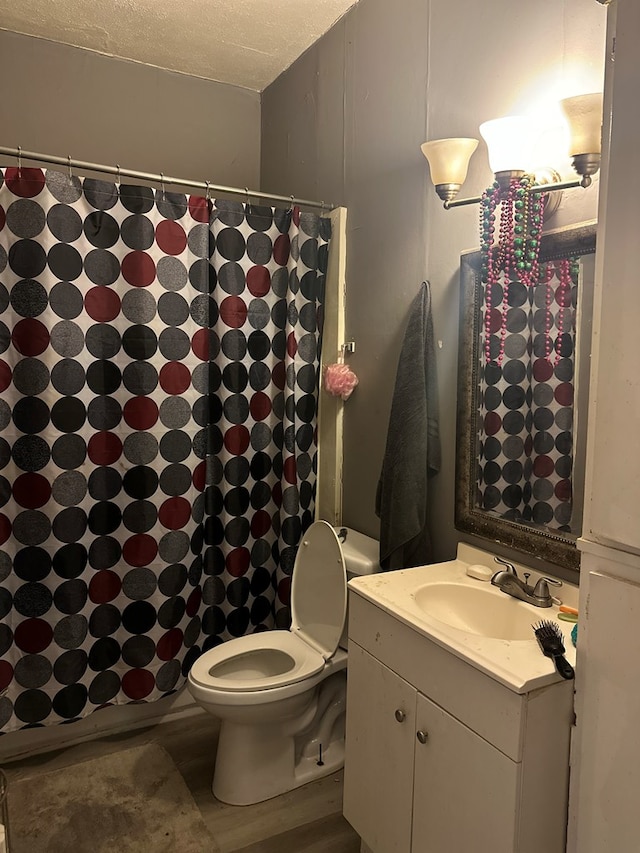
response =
{"points": [[455, 766], [378, 790], [442, 758]]}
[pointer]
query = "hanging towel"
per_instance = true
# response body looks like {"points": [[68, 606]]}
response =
{"points": [[412, 453]]}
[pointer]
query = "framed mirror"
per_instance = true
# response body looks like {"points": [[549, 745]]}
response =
{"points": [[523, 378]]}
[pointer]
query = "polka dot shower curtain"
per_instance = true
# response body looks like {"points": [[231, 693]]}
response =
{"points": [[269, 267], [527, 391], [130, 536]]}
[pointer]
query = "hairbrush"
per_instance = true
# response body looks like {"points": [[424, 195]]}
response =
{"points": [[551, 642]]}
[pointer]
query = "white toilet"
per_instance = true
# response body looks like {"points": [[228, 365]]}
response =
{"points": [[281, 694]]}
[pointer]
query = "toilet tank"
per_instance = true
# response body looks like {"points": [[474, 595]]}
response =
{"points": [[362, 557], [361, 553]]}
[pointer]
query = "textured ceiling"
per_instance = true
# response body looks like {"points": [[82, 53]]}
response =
{"points": [[243, 42]]}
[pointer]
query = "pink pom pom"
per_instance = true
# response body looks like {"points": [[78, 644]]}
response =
{"points": [[339, 380]]}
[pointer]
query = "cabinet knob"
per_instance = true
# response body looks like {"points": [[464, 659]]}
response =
{"points": [[400, 715], [422, 736]]}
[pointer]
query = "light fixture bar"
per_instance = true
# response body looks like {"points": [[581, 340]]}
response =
{"points": [[562, 185], [461, 202], [536, 188]]}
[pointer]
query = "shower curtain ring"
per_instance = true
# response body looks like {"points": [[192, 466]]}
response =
{"points": [[291, 198], [69, 165], [162, 185], [208, 193], [246, 192], [19, 161], [118, 179]]}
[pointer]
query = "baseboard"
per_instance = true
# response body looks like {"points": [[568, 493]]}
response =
{"points": [[109, 721]]}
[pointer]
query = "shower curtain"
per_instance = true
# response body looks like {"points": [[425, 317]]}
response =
{"points": [[158, 381], [526, 416], [266, 325]]}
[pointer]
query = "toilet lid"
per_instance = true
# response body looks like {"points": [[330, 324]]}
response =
{"points": [[319, 589]]}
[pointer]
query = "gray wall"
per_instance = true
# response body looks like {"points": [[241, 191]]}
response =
{"points": [[63, 100], [345, 123]]}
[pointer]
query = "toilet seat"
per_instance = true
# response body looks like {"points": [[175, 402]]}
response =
{"points": [[257, 662], [272, 659]]}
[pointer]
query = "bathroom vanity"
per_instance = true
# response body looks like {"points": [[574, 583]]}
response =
{"points": [[457, 741]]}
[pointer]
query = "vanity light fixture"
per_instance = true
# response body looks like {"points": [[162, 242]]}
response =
{"points": [[512, 210], [448, 163], [584, 117], [511, 142]]}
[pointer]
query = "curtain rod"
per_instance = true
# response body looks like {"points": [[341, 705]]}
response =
{"points": [[162, 179]]}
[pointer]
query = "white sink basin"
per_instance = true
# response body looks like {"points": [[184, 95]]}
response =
{"points": [[484, 611], [471, 618]]}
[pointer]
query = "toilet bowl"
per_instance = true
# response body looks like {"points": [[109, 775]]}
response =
{"points": [[280, 695]]}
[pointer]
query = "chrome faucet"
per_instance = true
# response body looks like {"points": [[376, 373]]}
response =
{"points": [[507, 581]]}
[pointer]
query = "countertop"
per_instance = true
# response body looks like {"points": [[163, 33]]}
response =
{"points": [[518, 664]]}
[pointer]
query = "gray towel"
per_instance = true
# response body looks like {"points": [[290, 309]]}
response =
{"points": [[412, 453]]}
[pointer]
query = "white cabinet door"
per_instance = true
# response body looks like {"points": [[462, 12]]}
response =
{"points": [[378, 780], [466, 791], [609, 777]]}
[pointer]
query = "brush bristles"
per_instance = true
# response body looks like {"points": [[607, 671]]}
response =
{"points": [[548, 630], [548, 627]]}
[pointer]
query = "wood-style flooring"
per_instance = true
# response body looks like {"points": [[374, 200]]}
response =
{"points": [[306, 820]]}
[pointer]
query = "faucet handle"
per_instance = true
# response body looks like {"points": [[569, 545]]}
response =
{"points": [[541, 589], [508, 567]]}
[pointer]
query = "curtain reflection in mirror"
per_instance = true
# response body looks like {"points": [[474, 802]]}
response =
{"points": [[526, 398]]}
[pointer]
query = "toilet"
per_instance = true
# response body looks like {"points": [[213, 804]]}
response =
{"points": [[280, 695]]}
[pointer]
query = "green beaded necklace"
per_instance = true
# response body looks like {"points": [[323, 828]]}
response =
{"points": [[515, 255]]}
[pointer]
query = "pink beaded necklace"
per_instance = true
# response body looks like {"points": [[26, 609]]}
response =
{"points": [[563, 271]]}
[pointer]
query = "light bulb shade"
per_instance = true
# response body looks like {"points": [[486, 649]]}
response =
{"points": [[584, 116], [449, 159], [510, 141]]}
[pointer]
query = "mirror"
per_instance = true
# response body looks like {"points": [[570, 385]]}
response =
{"points": [[522, 401]]}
